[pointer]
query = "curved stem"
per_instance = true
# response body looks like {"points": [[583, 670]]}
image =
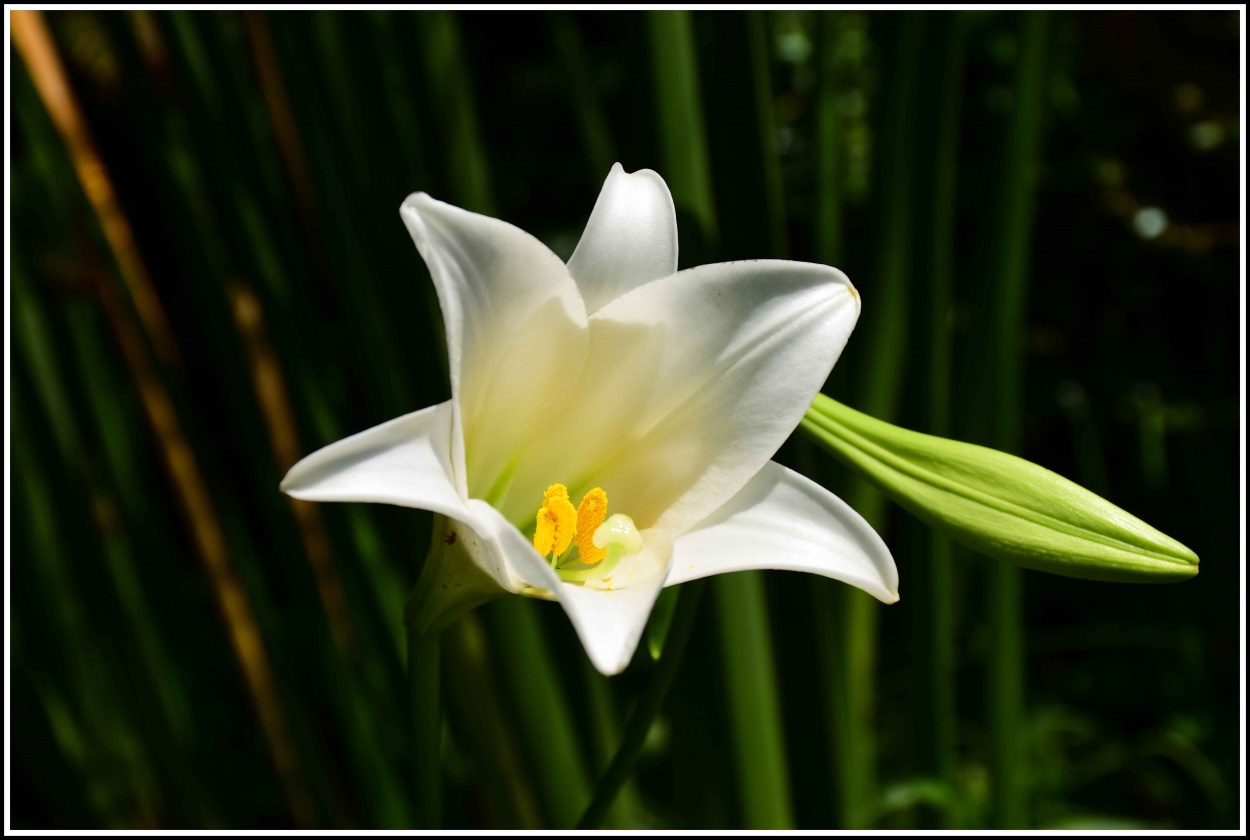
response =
{"points": [[622, 765]]}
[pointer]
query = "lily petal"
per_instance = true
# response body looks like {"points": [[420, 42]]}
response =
{"points": [[406, 461], [722, 362], [782, 520], [609, 622], [516, 333], [630, 239], [498, 548]]}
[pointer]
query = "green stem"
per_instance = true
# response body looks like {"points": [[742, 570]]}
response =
{"points": [[606, 728], [766, 125], [877, 391], [427, 726], [1006, 683], [852, 708], [754, 707], [1008, 759], [829, 146], [936, 706], [937, 697], [530, 678], [640, 721], [683, 138], [584, 99], [477, 710], [827, 240], [738, 58], [998, 401], [451, 88], [424, 627]]}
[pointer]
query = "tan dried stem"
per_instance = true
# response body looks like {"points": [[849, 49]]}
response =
{"points": [[34, 42], [275, 405]]}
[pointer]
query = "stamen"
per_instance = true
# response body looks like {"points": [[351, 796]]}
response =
{"points": [[590, 515], [602, 540], [556, 522]]}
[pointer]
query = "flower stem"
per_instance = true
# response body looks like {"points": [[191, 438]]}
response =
{"points": [[1005, 324], [540, 704], [622, 765], [424, 688], [477, 712], [427, 729], [754, 705], [878, 392], [935, 703], [742, 61], [607, 723], [683, 138], [827, 235]]}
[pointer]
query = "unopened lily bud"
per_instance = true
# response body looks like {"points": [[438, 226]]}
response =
{"points": [[997, 504]]}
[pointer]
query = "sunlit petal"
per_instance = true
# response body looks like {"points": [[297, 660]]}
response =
{"points": [[630, 239], [516, 332], [691, 384], [782, 520]]}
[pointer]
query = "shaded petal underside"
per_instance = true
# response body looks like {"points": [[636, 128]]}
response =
{"points": [[406, 461]]}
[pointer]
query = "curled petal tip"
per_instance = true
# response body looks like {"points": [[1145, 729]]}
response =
{"points": [[413, 199]]}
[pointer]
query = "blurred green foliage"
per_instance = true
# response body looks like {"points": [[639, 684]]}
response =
{"points": [[259, 158]]}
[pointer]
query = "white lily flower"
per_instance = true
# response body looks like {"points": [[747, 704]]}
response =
{"points": [[647, 392]]}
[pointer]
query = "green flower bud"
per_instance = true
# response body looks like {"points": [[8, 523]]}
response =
{"points": [[997, 504]]}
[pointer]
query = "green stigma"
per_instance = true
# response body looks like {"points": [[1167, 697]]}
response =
{"points": [[617, 537]]}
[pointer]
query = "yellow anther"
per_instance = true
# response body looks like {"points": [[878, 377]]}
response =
{"points": [[555, 523], [590, 515]]}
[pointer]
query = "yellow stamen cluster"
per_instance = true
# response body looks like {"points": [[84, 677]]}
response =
{"points": [[558, 524]]}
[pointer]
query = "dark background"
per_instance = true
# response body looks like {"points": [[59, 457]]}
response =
{"points": [[301, 313]]}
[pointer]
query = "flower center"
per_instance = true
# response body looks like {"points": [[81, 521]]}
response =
{"points": [[585, 544]]}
